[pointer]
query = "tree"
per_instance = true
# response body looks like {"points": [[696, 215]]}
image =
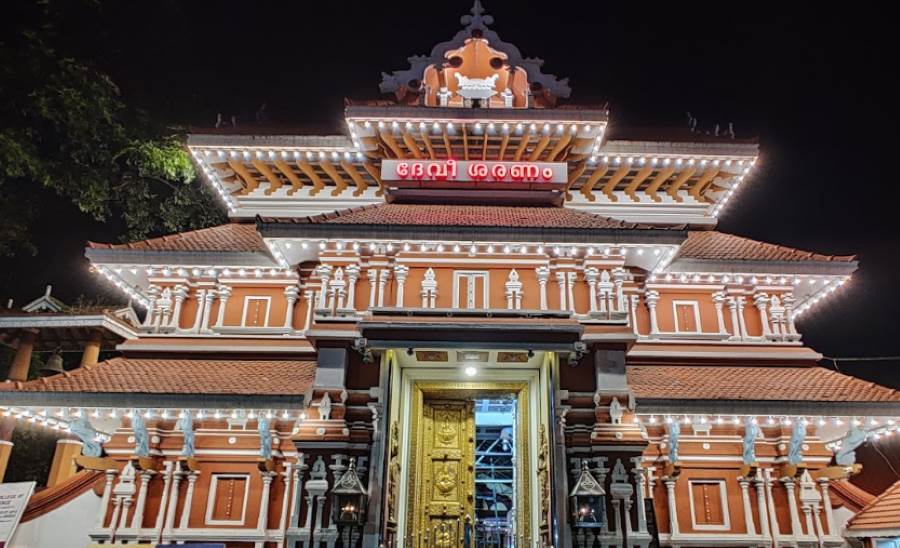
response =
{"points": [[66, 127]]}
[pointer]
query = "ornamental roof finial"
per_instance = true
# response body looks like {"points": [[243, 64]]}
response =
{"points": [[477, 19]]}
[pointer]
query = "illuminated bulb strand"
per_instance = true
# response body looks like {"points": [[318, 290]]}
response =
{"points": [[875, 427]]}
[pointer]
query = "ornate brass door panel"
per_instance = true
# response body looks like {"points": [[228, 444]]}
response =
{"points": [[445, 470]]}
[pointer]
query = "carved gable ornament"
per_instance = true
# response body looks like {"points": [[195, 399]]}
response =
{"points": [[475, 68]]}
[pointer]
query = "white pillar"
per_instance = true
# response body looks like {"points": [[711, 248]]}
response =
{"points": [[104, 500], [372, 275], [673, 508], [181, 292], [289, 474], [400, 272], [633, 303], [638, 471], [310, 297], [264, 501], [735, 322], [324, 272], [188, 500], [164, 498], [173, 501], [745, 500], [796, 530], [619, 281], [352, 277], [543, 274], [651, 297], [290, 294], [152, 295], [788, 302], [561, 282], [590, 275], [570, 284], [719, 302], [383, 276], [770, 501], [224, 295], [741, 321], [207, 309], [200, 296], [761, 504], [761, 300], [138, 520]]}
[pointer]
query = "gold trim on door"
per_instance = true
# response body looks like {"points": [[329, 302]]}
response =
{"points": [[441, 492]]}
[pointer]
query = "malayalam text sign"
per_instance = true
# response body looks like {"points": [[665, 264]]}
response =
{"points": [[474, 171]]}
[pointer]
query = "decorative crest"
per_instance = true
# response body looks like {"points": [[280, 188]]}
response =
{"points": [[349, 482], [587, 485]]}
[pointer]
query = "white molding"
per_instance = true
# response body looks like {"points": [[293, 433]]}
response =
{"points": [[696, 306], [723, 497], [211, 499], [247, 299], [66, 320], [471, 276]]}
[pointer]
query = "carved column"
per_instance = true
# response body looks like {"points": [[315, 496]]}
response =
{"points": [[543, 274], [173, 501], [741, 322], [207, 309], [264, 501], [290, 295], [571, 277], [561, 282], [735, 322], [164, 497], [770, 502], [632, 311], [224, 295], [188, 500], [309, 296], [638, 471], [745, 501], [372, 275], [152, 294], [796, 530], [788, 302], [761, 509], [761, 300], [104, 500], [400, 272], [383, 276], [137, 521], [352, 272], [181, 293], [590, 275], [619, 275], [513, 291], [200, 295], [673, 507], [288, 475], [324, 272], [719, 302], [652, 298]]}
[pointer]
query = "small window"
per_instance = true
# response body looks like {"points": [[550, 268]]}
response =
{"points": [[227, 501], [256, 312], [709, 505], [687, 316], [470, 290]]}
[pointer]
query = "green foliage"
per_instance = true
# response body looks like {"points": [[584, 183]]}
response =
{"points": [[66, 128]]}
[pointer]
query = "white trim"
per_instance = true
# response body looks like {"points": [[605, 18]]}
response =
{"points": [[247, 299], [471, 276], [723, 497], [211, 499], [696, 306]]}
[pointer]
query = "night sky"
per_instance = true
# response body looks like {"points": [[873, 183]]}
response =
{"points": [[812, 85]]}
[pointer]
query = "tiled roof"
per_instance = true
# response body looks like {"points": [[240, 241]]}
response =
{"points": [[753, 383], [228, 237], [171, 376], [470, 215], [718, 246], [842, 492], [882, 513]]}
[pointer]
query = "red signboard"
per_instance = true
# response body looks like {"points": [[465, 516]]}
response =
{"points": [[476, 171]]}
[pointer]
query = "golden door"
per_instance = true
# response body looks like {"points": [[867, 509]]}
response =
{"points": [[445, 490]]}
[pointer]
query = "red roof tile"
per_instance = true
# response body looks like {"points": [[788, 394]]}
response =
{"points": [[842, 492], [235, 237], [882, 513], [711, 246], [188, 376], [753, 383], [471, 215]]}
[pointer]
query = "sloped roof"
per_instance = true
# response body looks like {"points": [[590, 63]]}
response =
{"points": [[231, 237], [753, 383], [718, 246], [470, 216], [881, 514], [180, 376]]}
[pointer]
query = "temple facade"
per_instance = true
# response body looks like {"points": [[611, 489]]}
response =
{"points": [[480, 316]]}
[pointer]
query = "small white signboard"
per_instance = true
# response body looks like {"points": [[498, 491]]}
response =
{"points": [[13, 499]]}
